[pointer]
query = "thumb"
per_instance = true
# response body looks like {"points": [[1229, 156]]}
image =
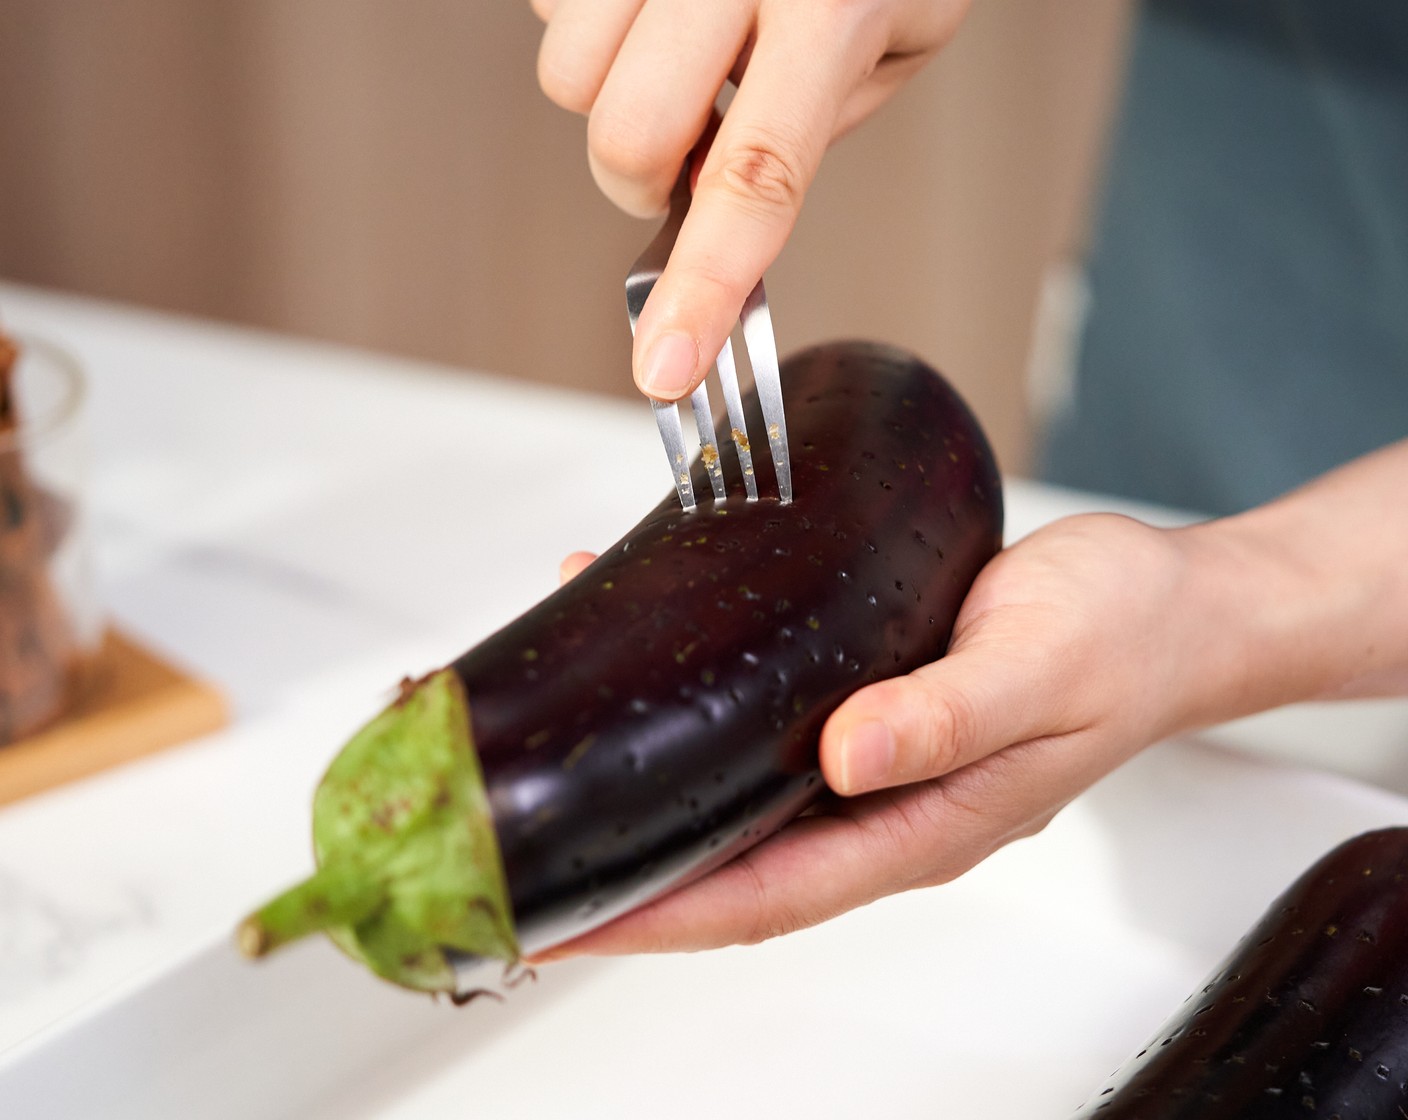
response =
{"points": [[974, 702]]}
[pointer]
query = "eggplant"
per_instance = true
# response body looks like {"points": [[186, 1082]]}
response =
{"points": [[1307, 1017], [660, 713]]}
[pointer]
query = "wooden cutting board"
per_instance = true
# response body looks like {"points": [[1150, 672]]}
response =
{"points": [[138, 704]]}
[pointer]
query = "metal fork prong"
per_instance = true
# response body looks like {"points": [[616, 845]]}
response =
{"points": [[738, 426], [762, 353], [708, 446], [667, 419]]}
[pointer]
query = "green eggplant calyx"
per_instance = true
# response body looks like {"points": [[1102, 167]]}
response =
{"points": [[408, 863]]}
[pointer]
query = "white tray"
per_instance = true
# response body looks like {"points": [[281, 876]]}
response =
{"points": [[1009, 994]]}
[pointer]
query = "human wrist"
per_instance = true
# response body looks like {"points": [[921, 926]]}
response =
{"points": [[1287, 615], [1247, 622]]}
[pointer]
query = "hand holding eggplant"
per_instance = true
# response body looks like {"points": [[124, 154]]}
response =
{"points": [[647, 72], [1074, 649]]}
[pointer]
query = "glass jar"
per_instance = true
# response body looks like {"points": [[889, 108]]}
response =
{"points": [[50, 625]]}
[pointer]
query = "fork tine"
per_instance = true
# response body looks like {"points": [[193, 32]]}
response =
{"points": [[762, 353], [738, 426], [667, 419], [708, 448]]}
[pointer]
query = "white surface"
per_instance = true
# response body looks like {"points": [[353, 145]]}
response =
{"points": [[1008, 995], [304, 524]]}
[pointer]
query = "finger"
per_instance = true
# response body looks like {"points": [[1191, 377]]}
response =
{"points": [[543, 9], [582, 40], [766, 891], [573, 565], [656, 100], [819, 867], [985, 695], [749, 192]]}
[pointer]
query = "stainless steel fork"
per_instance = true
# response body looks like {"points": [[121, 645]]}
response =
{"points": [[762, 355]]}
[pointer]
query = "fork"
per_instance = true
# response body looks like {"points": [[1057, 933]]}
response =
{"points": [[762, 355]]}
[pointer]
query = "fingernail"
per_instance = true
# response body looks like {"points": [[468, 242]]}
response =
{"points": [[867, 757], [670, 366]]}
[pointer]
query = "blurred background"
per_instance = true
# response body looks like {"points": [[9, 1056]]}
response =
{"points": [[385, 173]]}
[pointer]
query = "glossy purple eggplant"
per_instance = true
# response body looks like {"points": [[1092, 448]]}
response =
{"points": [[660, 713], [1308, 1016]]}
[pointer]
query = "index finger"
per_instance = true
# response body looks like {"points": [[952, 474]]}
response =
{"points": [[750, 190]]}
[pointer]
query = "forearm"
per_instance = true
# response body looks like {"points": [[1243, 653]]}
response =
{"points": [[1307, 597]]}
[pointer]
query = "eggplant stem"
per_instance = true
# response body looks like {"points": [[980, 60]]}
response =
{"points": [[335, 895], [403, 835]]}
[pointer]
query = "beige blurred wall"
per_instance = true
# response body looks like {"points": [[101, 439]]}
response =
{"points": [[385, 173]]}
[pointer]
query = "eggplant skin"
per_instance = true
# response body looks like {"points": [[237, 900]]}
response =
{"points": [[660, 713], [1308, 1016]]}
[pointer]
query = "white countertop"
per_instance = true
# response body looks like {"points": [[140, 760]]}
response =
{"points": [[304, 524]]}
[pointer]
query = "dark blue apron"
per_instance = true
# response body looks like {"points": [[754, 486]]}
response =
{"points": [[1248, 322]]}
